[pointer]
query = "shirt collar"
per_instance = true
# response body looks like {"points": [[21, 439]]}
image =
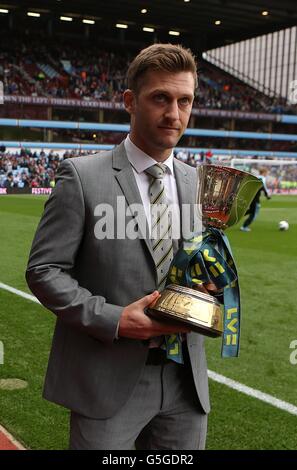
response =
{"points": [[140, 160]]}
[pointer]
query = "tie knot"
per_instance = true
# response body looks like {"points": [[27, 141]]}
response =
{"points": [[157, 171]]}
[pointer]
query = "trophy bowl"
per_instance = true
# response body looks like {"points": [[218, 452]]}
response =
{"points": [[224, 194], [223, 197]]}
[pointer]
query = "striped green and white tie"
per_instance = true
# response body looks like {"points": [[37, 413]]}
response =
{"points": [[161, 236]]}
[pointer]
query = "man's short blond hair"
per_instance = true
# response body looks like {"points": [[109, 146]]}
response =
{"points": [[161, 57]]}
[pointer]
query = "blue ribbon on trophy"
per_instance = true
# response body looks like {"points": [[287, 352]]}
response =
{"points": [[223, 196], [208, 258]]}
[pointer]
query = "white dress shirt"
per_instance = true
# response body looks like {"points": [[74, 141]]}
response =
{"points": [[140, 161]]}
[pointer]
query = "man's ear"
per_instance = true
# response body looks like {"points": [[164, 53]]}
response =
{"points": [[129, 101]]}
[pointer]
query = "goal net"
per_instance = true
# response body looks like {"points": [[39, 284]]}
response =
{"points": [[281, 177]]}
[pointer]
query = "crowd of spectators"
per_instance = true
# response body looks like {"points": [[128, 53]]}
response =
{"points": [[43, 68], [31, 169], [82, 72], [34, 67], [220, 90], [35, 169], [26, 169]]}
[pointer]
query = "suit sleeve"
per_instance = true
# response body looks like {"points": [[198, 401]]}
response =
{"points": [[52, 259]]}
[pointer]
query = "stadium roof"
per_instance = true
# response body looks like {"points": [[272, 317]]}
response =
{"points": [[194, 19]]}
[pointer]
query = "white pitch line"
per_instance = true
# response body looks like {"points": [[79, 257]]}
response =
{"points": [[251, 392], [19, 292]]}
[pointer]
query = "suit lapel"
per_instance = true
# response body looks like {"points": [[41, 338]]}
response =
{"points": [[182, 183], [186, 188], [186, 182], [127, 182]]}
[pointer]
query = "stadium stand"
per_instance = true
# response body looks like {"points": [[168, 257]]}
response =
{"points": [[27, 169], [82, 72]]}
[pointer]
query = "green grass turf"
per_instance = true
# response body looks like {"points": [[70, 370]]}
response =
{"points": [[266, 260], [26, 335]]}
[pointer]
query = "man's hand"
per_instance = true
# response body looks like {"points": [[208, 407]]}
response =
{"points": [[135, 324]]}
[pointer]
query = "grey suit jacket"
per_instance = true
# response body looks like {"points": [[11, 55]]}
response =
{"points": [[86, 282]]}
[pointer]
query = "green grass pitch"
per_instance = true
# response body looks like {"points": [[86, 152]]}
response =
{"points": [[266, 260]]}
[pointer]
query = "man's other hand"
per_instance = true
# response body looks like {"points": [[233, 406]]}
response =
{"points": [[135, 324]]}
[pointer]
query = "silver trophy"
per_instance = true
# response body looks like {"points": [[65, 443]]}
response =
{"points": [[223, 197]]}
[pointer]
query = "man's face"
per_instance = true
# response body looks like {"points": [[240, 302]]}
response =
{"points": [[160, 111]]}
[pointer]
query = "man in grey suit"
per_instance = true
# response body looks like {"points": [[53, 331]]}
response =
{"points": [[108, 363]]}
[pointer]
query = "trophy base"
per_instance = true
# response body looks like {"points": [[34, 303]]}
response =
{"points": [[201, 312]]}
